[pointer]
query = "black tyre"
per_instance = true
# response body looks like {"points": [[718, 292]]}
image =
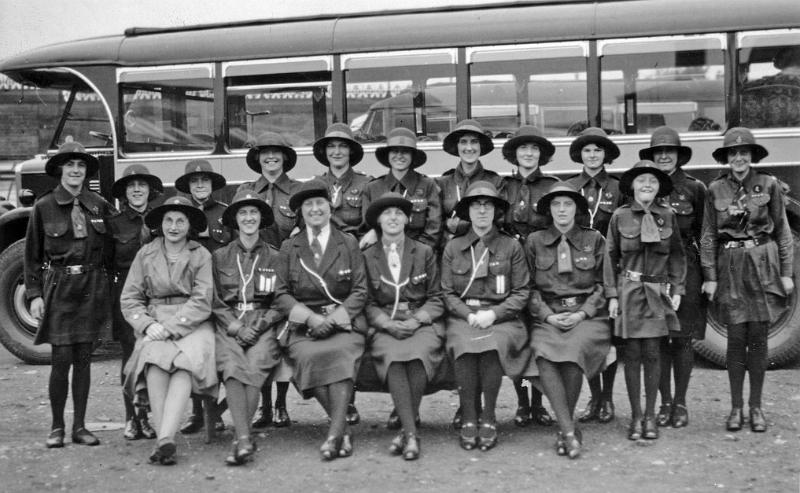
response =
{"points": [[17, 326]]}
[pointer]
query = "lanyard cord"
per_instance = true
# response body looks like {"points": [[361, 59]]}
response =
{"points": [[321, 282], [458, 198], [245, 281], [397, 288], [593, 212], [474, 268]]}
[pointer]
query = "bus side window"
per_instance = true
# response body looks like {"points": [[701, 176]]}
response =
{"points": [[770, 81]]}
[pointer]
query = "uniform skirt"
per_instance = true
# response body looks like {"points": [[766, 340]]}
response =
{"points": [[320, 362], [509, 339], [692, 311], [250, 365], [645, 310], [587, 344], [426, 345]]}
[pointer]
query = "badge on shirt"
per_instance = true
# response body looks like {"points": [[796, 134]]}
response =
{"points": [[501, 284], [266, 281]]}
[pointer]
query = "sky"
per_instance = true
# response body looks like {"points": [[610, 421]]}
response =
{"points": [[26, 24]]}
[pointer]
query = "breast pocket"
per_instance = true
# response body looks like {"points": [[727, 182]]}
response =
{"points": [[607, 202], [351, 207], [419, 211], [544, 262], [97, 224], [219, 235], [682, 206], [461, 273], [54, 237], [629, 239], [228, 279], [583, 261]]}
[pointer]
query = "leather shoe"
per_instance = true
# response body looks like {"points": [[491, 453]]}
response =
{"points": [[522, 417], [561, 444], [469, 436], [664, 416], [458, 419], [243, 450], [411, 450], [758, 423], [591, 411], [393, 423], [219, 425], [346, 446], [164, 452], [82, 436], [573, 442], [650, 428], [263, 417], [193, 424], [132, 430], [398, 444], [147, 431], [606, 412], [282, 419], [353, 418], [330, 448], [55, 439], [541, 417], [635, 429], [680, 416], [734, 421], [487, 436]]}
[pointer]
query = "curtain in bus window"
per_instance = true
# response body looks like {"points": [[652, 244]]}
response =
{"points": [[770, 85], [297, 106], [420, 98], [168, 116], [547, 93], [682, 89]]}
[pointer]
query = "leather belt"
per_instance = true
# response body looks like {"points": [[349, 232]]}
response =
{"points": [[72, 270], [748, 243], [169, 300], [639, 277], [324, 309], [567, 301], [243, 307], [476, 303]]}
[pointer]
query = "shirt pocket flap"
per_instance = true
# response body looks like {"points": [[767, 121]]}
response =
{"points": [[665, 232], [286, 211], [55, 229], [98, 224], [419, 204], [461, 268], [544, 262], [722, 204], [499, 265], [125, 237], [630, 232], [584, 261], [682, 207]]}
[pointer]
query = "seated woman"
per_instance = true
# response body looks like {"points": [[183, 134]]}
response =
{"points": [[404, 301], [485, 285], [167, 300], [571, 334], [322, 288], [247, 351]]}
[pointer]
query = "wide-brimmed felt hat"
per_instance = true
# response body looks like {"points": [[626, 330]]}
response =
{"points": [[561, 189], [597, 136], [450, 143], [271, 139], [480, 189], [242, 199], [307, 190], [739, 137], [197, 219], [666, 137], [68, 151], [528, 134], [389, 199], [137, 172], [199, 167], [405, 139], [642, 167], [339, 131]]}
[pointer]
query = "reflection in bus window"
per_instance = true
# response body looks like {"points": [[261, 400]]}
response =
{"points": [[420, 98], [643, 91], [85, 120], [547, 93], [296, 106], [168, 116], [770, 89]]}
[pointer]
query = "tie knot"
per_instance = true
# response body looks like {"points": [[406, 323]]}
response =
{"points": [[316, 231], [392, 247]]}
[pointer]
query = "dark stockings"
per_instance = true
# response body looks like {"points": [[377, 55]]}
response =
{"points": [[280, 398], [407, 383], [79, 357], [334, 399], [127, 350], [476, 375], [676, 353], [522, 396], [602, 386], [642, 353], [562, 383], [747, 351]]}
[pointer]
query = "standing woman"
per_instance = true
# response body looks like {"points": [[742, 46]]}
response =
{"points": [[571, 334], [747, 254], [246, 348], [644, 272], [529, 150], [322, 289], [135, 190], [167, 299], [66, 255], [272, 157], [687, 200], [594, 150], [485, 285], [404, 303]]}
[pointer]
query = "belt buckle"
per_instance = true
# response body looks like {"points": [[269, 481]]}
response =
{"points": [[402, 306], [74, 269], [634, 276], [749, 243], [244, 306], [472, 302], [328, 309], [569, 302]]}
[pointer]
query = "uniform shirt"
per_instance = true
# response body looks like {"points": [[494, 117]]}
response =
{"points": [[761, 198], [216, 235], [453, 185], [587, 248], [129, 233], [687, 201], [425, 223], [607, 201], [285, 217], [348, 214], [504, 290], [522, 194]]}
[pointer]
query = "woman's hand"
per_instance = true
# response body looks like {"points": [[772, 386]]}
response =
{"points": [[676, 301], [613, 307], [247, 336], [398, 329], [156, 332], [37, 308], [319, 327], [485, 318], [368, 239], [565, 321], [710, 289], [472, 319], [788, 285]]}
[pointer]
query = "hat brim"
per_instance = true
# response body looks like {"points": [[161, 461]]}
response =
{"points": [[376, 208], [296, 200], [626, 180], [229, 215], [759, 152], [611, 149], [288, 163], [418, 157], [450, 142], [546, 148], [462, 207], [543, 206], [356, 150], [684, 153], [197, 220], [217, 181], [120, 186], [92, 163]]}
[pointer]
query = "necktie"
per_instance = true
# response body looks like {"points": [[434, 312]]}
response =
{"points": [[592, 193], [78, 220], [394, 262], [564, 256], [649, 229], [521, 211], [479, 262], [270, 194], [316, 247], [336, 196]]}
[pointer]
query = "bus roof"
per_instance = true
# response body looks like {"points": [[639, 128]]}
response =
{"points": [[426, 28]]}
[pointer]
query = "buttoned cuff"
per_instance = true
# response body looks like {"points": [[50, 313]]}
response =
{"points": [[300, 314], [423, 317]]}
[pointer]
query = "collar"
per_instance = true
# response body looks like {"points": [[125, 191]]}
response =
{"points": [[132, 213], [208, 204], [400, 243], [259, 245], [601, 178], [64, 196], [324, 234], [490, 239], [461, 175], [678, 175], [515, 175], [747, 182], [552, 235], [282, 183], [655, 207], [345, 179], [409, 181]]}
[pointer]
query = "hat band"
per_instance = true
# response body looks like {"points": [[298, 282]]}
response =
{"points": [[402, 141], [339, 135], [483, 192], [469, 128]]}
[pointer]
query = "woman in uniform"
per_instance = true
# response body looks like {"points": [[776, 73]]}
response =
{"points": [[644, 273], [528, 150], [687, 200], [246, 347], [135, 190], [322, 289], [167, 299], [485, 285], [594, 150], [66, 255], [571, 334], [404, 304], [272, 158], [747, 254]]}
